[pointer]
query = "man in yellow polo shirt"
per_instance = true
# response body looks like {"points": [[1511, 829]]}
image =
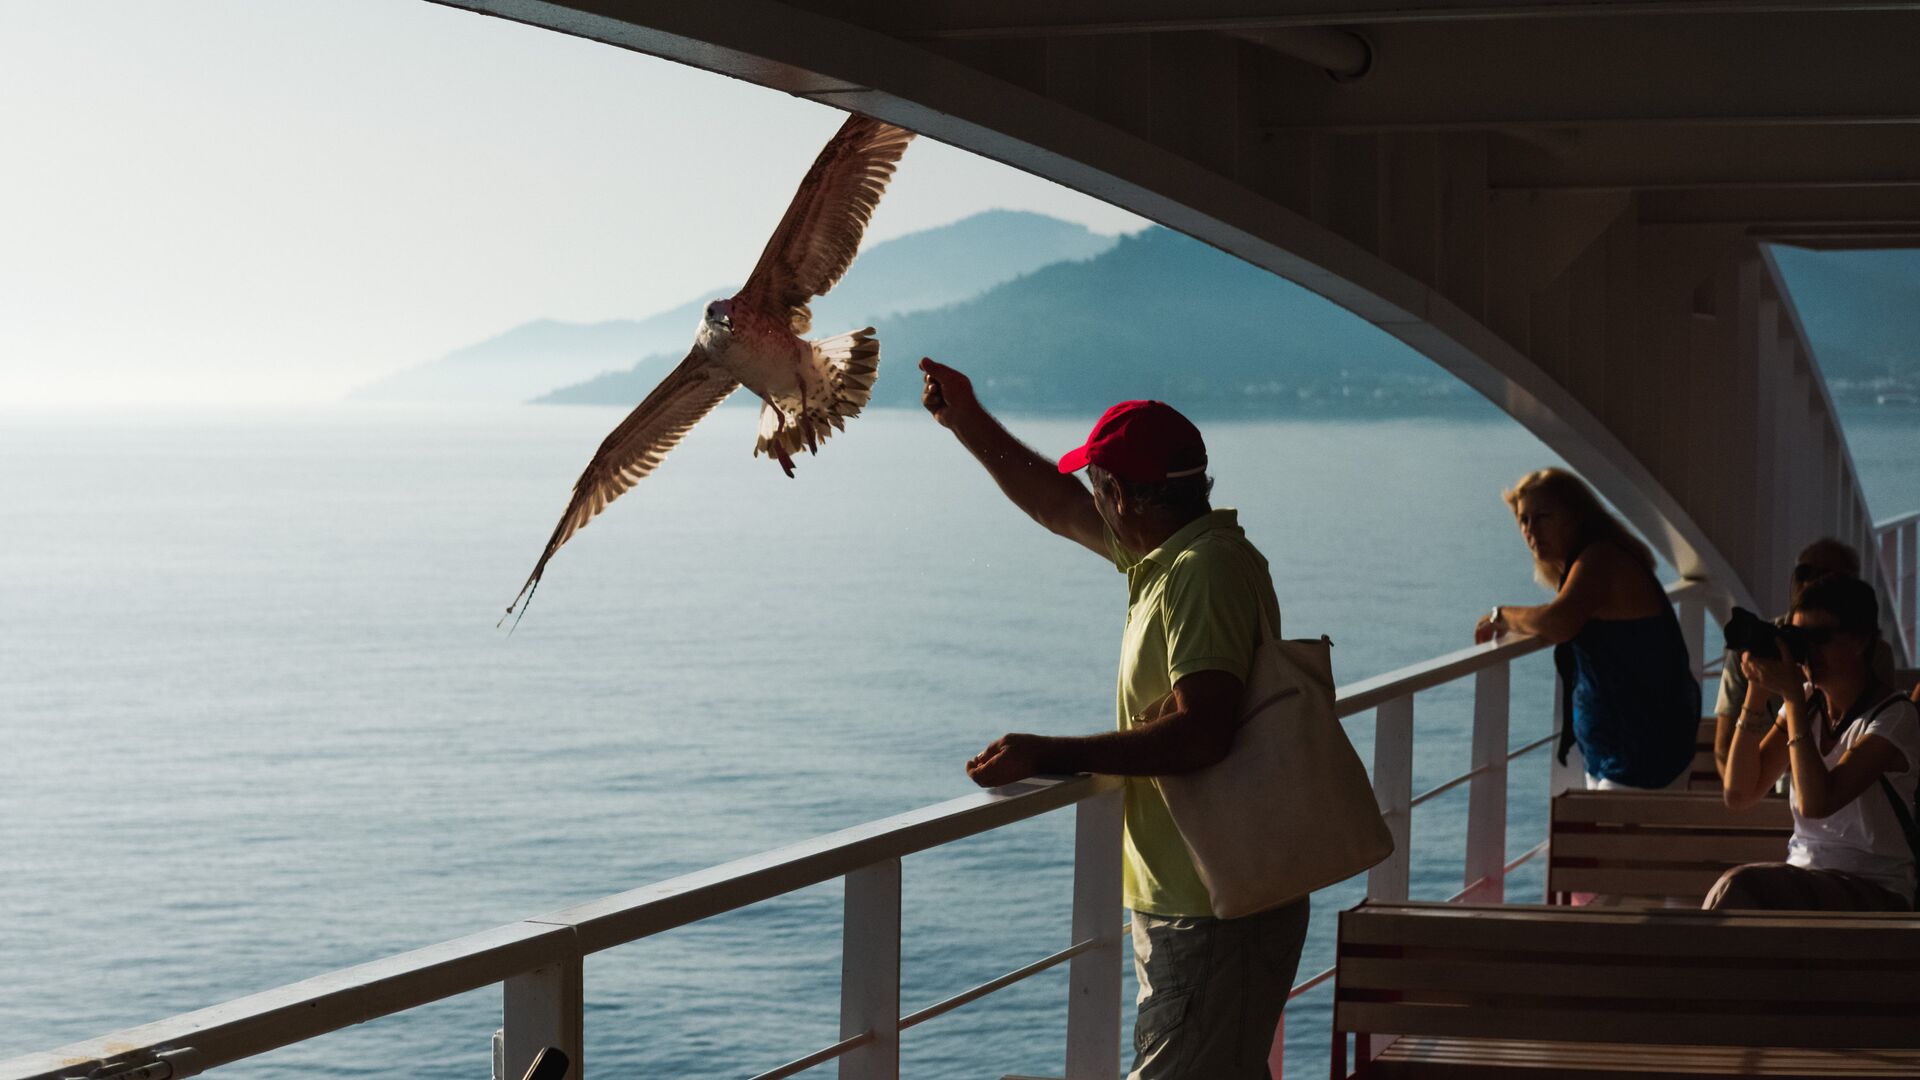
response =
{"points": [[1211, 990]]}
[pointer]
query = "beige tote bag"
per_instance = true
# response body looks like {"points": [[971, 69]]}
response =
{"points": [[1289, 809]]}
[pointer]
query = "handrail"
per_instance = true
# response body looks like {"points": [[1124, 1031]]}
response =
{"points": [[1370, 693], [258, 1023], [651, 909], [1896, 521]]}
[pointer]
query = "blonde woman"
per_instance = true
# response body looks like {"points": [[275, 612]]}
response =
{"points": [[1632, 701]]}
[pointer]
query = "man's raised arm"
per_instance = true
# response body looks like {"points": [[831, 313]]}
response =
{"points": [[1057, 501]]}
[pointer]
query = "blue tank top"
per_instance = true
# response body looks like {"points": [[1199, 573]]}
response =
{"points": [[1636, 703]]}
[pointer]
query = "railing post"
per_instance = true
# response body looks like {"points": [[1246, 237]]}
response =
{"points": [[1909, 580], [1562, 777], [543, 1008], [870, 972], [1093, 977], [1487, 791], [1692, 613], [1888, 543], [1393, 787]]}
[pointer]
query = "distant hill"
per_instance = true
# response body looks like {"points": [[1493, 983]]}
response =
{"points": [[926, 269], [515, 365], [1158, 315], [1862, 313]]}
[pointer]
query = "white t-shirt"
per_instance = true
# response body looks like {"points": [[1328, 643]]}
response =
{"points": [[1864, 837]]}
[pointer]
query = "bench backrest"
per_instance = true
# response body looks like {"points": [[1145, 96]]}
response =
{"points": [[1761, 979], [1658, 844]]}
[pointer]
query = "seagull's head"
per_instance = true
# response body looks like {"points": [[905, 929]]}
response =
{"points": [[719, 317]]}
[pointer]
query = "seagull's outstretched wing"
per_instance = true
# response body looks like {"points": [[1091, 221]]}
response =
{"points": [[820, 234], [637, 447]]}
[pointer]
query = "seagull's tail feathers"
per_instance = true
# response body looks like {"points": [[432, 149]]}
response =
{"points": [[850, 363]]}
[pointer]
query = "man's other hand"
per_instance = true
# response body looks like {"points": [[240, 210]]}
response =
{"points": [[946, 393], [1008, 759]]}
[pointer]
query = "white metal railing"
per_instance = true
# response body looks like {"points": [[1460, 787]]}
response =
{"points": [[538, 961], [1895, 540]]}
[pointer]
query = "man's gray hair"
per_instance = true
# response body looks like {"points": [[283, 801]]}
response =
{"points": [[1178, 495]]}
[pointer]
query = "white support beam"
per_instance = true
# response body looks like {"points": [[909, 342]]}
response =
{"points": [[1888, 555], [1393, 787], [544, 1008], [1568, 776], [1485, 875], [1909, 573], [870, 972], [1093, 977], [1691, 610]]}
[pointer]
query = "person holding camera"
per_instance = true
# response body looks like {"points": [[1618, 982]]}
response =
{"points": [[1631, 698], [1851, 744], [1819, 559]]}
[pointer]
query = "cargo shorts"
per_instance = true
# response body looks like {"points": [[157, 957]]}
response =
{"points": [[1211, 991]]}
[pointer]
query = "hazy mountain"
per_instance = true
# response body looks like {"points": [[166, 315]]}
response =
{"points": [[1861, 310], [920, 270], [1158, 315], [515, 365]]}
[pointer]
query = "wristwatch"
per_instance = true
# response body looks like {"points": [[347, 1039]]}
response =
{"points": [[1494, 615]]}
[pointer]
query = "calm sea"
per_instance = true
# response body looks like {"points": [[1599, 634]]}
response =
{"points": [[259, 723]]}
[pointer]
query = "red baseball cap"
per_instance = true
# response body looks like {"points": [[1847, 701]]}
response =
{"points": [[1141, 442]]}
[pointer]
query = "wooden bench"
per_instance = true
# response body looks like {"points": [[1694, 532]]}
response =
{"points": [[1644, 848], [1525, 990]]}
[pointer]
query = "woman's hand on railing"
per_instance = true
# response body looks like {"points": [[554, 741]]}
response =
{"points": [[1490, 626]]}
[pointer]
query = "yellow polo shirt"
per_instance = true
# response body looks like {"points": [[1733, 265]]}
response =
{"points": [[1192, 605]]}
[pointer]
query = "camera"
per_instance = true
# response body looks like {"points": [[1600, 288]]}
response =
{"points": [[1749, 633]]}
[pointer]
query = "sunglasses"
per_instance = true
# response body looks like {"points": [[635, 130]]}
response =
{"points": [[1818, 635]]}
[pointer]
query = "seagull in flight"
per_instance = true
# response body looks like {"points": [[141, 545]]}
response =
{"points": [[754, 338]]}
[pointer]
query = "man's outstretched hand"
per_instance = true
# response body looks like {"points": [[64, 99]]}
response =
{"points": [[1006, 760], [946, 393]]}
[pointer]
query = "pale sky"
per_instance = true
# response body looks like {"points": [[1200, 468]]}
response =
{"points": [[239, 200]]}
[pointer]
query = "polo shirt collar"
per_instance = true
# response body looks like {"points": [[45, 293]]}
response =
{"points": [[1170, 549]]}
